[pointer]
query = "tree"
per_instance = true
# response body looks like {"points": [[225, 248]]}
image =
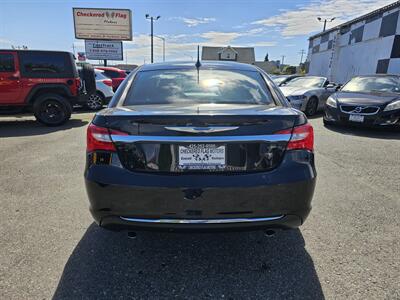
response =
{"points": [[289, 70], [266, 57]]}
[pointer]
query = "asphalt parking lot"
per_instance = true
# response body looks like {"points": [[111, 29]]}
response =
{"points": [[348, 248]]}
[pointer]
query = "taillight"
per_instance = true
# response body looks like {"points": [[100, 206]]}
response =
{"points": [[78, 82], [107, 82], [302, 137], [99, 138]]}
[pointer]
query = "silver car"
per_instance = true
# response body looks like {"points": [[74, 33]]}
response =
{"points": [[309, 93], [104, 91]]}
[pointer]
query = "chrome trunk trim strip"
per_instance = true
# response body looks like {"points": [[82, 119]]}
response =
{"points": [[201, 139], [201, 129], [202, 221]]}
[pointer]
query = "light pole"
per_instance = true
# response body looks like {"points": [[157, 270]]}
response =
{"points": [[325, 20], [163, 40], [152, 21]]}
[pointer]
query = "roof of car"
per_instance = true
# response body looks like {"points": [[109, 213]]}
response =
{"points": [[28, 50], [227, 65], [378, 75], [109, 68]]}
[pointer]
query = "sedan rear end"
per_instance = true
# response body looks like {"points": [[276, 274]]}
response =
{"points": [[208, 148]]}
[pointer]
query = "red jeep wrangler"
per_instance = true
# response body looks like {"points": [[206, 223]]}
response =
{"points": [[45, 82]]}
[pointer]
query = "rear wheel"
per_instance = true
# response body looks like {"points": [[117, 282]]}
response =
{"points": [[95, 101], [312, 106], [52, 109]]}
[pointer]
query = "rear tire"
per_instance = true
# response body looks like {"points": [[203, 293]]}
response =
{"points": [[95, 101], [52, 109], [312, 106]]}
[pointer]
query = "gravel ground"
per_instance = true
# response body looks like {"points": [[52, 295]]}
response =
{"points": [[348, 249]]}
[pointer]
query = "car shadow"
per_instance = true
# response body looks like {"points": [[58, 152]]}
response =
{"points": [[316, 116], [386, 133], [29, 127], [108, 265], [83, 110]]}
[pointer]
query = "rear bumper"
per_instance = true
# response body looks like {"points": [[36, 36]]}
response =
{"points": [[200, 225], [120, 199]]}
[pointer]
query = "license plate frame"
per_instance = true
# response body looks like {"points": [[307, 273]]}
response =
{"points": [[356, 118], [202, 156]]}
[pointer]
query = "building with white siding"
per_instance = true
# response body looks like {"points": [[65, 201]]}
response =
{"points": [[239, 54], [366, 45]]}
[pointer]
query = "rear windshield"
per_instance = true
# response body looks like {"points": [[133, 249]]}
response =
{"points": [[205, 86]]}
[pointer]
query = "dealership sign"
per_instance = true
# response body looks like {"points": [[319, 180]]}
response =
{"points": [[111, 50], [103, 24]]}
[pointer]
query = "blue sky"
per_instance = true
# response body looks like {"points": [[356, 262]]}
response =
{"points": [[277, 27]]}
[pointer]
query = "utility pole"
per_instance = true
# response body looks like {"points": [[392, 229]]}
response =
{"points": [[163, 40], [73, 48], [325, 20], [302, 52], [152, 34], [283, 61]]}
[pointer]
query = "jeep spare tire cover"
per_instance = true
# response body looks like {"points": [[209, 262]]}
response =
{"points": [[89, 78]]}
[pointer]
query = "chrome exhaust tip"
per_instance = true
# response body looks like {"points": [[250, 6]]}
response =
{"points": [[132, 235], [269, 233]]}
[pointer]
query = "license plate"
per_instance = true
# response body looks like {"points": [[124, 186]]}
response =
{"points": [[356, 118], [201, 156]]}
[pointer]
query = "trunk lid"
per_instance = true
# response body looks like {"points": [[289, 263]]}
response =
{"points": [[159, 134]]}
